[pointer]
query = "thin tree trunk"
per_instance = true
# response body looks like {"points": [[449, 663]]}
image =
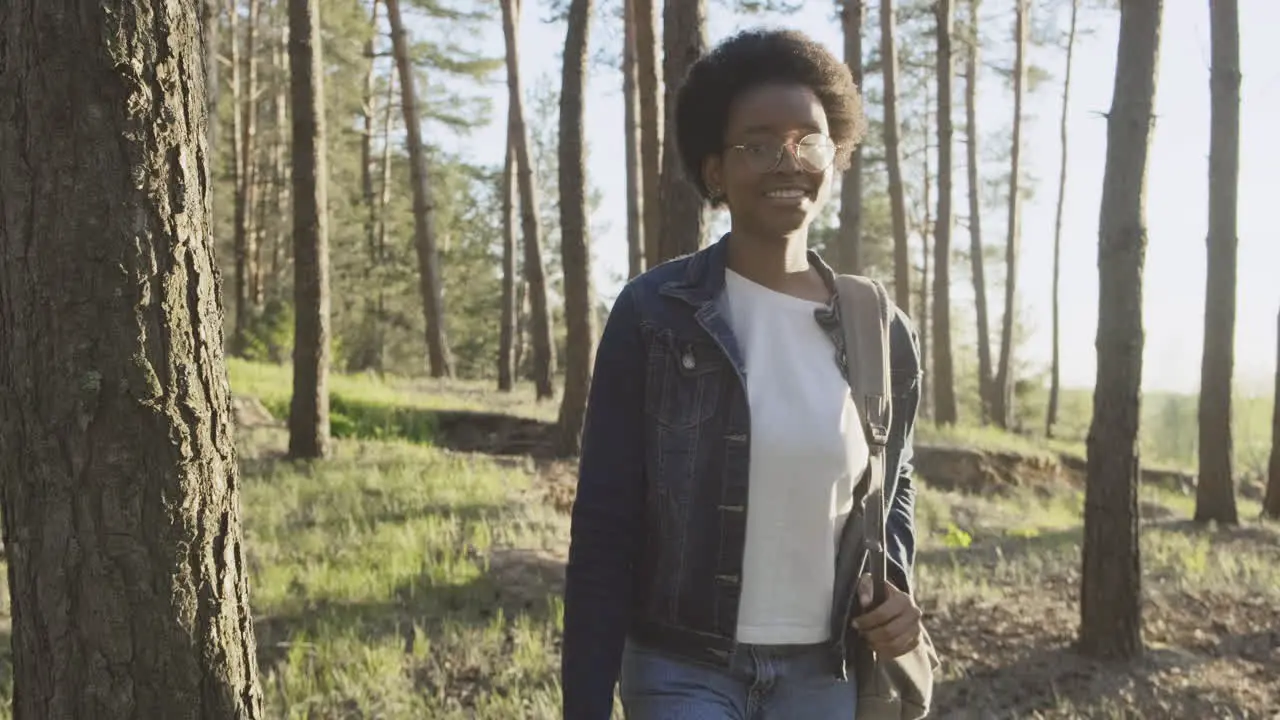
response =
{"points": [[370, 355], [649, 84], [240, 253], [575, 251], [1051, 419], [249, 164], [922, 314], [683, 224], [309, 411], [976, 261], [1271, 501], [126, 566], [384, 197], [544, 361], [210, 19], [283, 134], [631, 131], [507, 333], [1215, 486], [849, 255], [893, 159], [1111, 578], [424, 221], [944, 388], [1003, 396]]}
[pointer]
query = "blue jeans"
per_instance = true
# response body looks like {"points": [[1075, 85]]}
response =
{"points": [[761, 683]]}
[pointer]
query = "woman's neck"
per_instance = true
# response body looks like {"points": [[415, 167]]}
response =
{"points": [[780, 263]]}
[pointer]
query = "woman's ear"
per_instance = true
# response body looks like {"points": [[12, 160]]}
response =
{"points": [[713, 175]]}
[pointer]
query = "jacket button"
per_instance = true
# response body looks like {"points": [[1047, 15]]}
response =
{"points": [[687, 361]]}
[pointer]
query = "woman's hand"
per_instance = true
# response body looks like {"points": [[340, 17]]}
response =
{"points": [[894, 627]]}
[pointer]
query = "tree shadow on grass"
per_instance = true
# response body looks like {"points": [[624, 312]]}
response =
{"points": [[1162, 684], [514, 582]]}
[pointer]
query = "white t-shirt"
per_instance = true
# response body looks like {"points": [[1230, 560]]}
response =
{"points": [[807, 453]]}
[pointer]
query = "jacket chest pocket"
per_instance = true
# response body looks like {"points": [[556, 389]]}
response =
{"points": [[684, 380]]}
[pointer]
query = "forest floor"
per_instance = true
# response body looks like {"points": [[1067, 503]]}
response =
{"points": [[421, 578]]}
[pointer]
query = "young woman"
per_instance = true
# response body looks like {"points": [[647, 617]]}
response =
{"points": [[722, 447]]}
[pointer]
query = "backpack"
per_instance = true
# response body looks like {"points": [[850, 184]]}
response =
{"points": [[898, 688]]}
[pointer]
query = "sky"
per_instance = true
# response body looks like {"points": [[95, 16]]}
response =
{"points": [[1177, 200]]}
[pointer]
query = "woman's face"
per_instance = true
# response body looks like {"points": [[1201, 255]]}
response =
{"points": [[770, 195]]}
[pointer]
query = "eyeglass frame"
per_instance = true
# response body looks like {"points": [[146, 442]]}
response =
{"points": [[795, 150]]}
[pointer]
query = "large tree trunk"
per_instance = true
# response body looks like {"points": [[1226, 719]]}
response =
{"points": [[424, 221], [893, 159], [683, 224], [126, 563], [507, 333], [575, 252], [649, 84], [1111, 581], [544, 361], [1215, 488], [309, 411], [944, 388], [1271, 501], [976, 261], [1055, 372], [1002, 395], [849, 254], [631, 132]]}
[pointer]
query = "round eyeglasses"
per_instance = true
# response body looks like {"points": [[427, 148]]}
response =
{"points": [[814, 153]]}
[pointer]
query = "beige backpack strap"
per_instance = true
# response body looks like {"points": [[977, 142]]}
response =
{"points": [[865, 315]]}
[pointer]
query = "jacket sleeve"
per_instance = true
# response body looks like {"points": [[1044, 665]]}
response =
{"points": [[606, 524], [900, 532]]}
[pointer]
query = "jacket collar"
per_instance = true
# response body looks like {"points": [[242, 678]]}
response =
{"points": [[703, 278]]}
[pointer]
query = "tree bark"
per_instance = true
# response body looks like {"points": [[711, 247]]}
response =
{"points": [[648, 83], [944, 388], [544, 361], [439, 357], [683, 223], [309, 410], [849, 255], [1271, 500], [507, 333], [1055, 372], [976, 261], [893, 159], [1002, 396], [631, 131], [1111, 580], [575, 252], [121, 492], [1215, 486]]}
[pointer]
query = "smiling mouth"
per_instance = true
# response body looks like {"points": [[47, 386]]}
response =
{"points": [[788, 193]]}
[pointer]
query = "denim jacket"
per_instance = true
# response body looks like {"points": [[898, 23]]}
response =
{"points": [[659, 521]]}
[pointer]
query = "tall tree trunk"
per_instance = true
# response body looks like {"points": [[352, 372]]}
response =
{"points": [[507, 333], [210, 19], [575, 251], [249, 161], [893, 159], [922, 313], [1215, 487], [631, 131], [1055, 383], [649, 84], [240, 253], [370, 354], [976, 260], [944, 387], [849, 255], [384, 190], [121, 493], [309, 411], [683, 224], [544, 361], [1271, 500], [1002, 396], [1111, 580], [424, 221], [280, 102]]}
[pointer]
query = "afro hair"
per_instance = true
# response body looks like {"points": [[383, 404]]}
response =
{"points": [[748, 60]]}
